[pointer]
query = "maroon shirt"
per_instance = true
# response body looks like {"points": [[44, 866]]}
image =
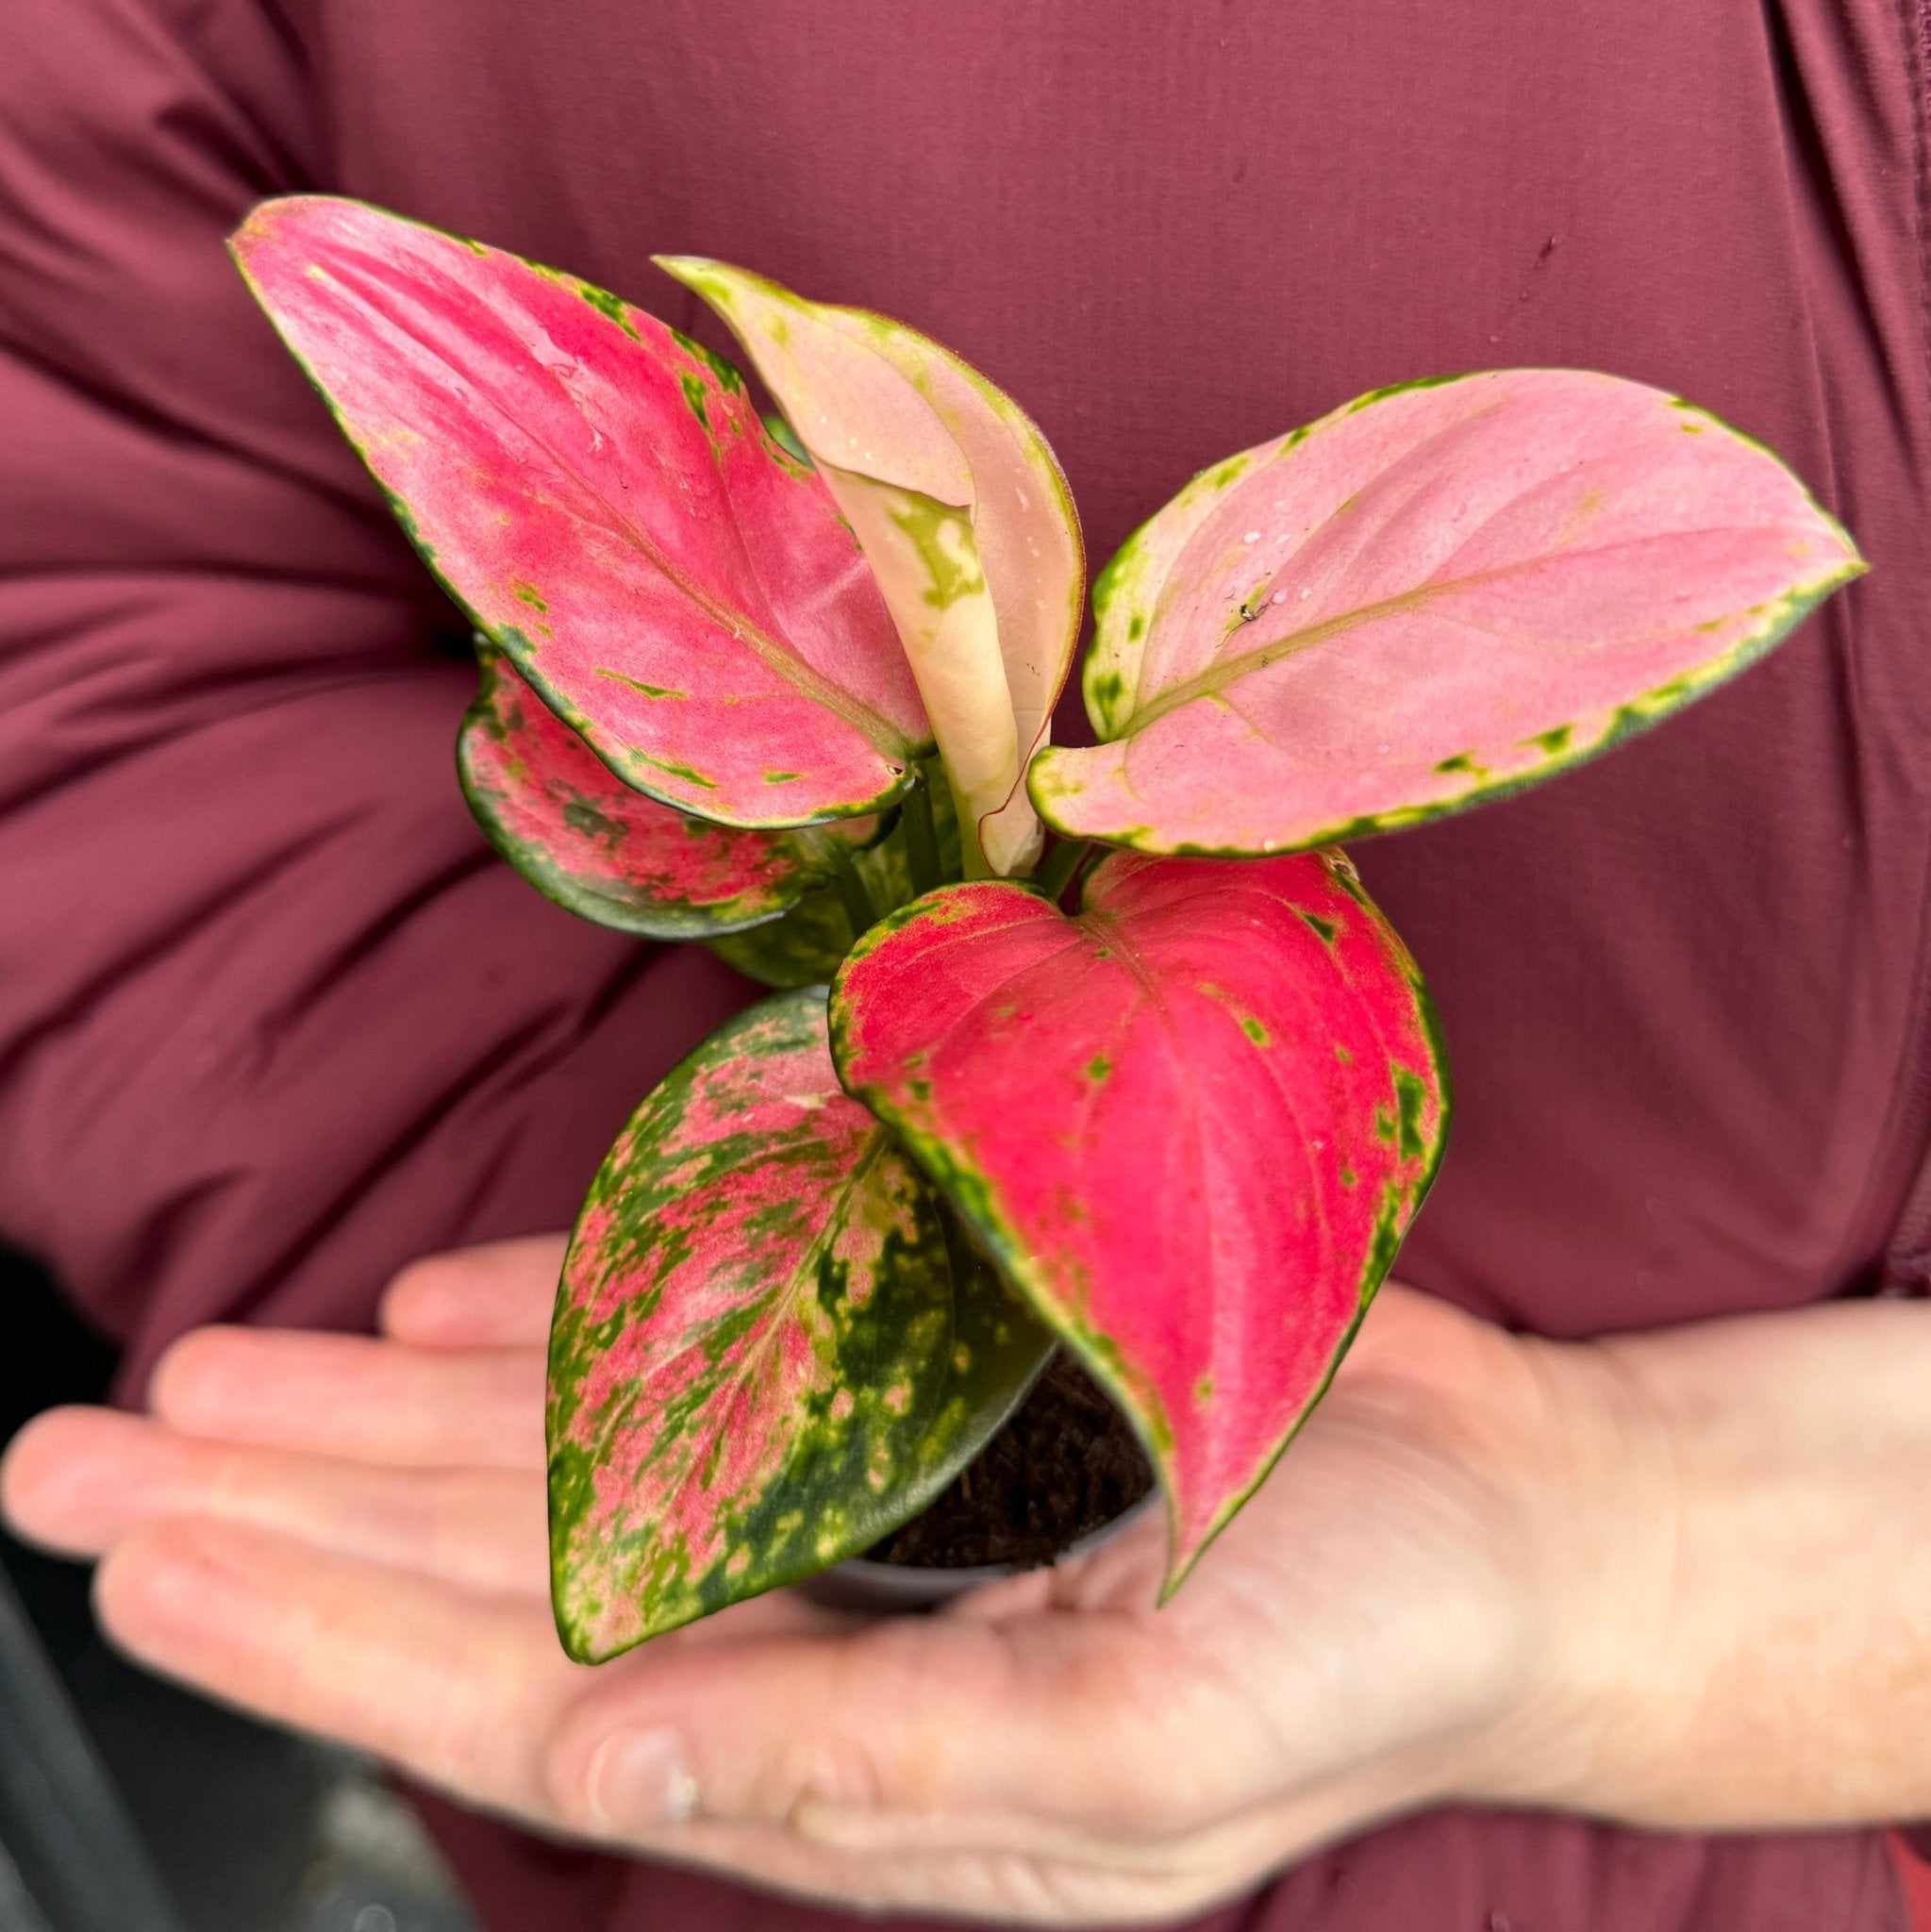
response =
{"points": [[272, 1019]]}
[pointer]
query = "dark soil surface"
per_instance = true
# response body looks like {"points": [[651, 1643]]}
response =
{"points": [[1065, 1464]]}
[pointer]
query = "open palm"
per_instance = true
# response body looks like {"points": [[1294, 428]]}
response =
{"points": [[348, 1534]]}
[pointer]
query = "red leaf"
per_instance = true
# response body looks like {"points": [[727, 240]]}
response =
{"points": [[1192, 1122], [601, 497], [586, 839]]}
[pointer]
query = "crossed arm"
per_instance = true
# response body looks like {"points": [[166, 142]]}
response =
{"points": [[1679, 1579]]}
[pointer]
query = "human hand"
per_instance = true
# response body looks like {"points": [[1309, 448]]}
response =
{"points": [[347, 1534]]}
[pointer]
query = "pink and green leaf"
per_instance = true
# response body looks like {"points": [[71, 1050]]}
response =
{"points": [[771, 1344], [1192, 1122], [1438, 595], [583, 838], [962, 512], [601, 497]]}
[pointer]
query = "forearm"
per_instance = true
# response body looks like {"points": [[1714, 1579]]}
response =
{"points": [[1737, 1578]]}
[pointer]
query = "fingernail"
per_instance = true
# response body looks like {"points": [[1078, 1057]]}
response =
{"points": [[642, 1777]]}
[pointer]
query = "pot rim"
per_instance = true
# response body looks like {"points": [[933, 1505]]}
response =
{"points": [[860, 1583]]}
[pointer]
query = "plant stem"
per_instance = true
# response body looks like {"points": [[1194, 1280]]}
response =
{"points": [[857, 900], [922, 836], [1057, 870]]}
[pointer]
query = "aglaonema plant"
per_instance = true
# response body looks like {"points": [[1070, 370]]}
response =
{"points": [[1118, 1055]]}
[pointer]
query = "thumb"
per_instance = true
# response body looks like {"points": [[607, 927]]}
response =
{"points": [[933, 1720]]}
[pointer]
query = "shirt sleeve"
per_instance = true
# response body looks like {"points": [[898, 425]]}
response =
{"points": [[272, 1018]]}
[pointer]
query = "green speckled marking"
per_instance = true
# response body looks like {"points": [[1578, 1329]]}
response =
{"points": [[694, 395], [1400, 388], [1411, 1099], [605, 304], [942, 537], [727, 375]]}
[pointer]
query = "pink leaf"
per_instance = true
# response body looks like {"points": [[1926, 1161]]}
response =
{"points": [[1191, 1122], [963, 514], [586, 839], [601, 497], [1436, 595]]}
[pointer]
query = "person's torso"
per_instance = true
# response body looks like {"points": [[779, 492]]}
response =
{"points": [[1681, 988]]}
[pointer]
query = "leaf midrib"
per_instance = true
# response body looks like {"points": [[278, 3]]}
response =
{"points": [[778, 656], [1224, 672]]}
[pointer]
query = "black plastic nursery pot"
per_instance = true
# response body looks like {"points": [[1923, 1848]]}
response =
{"points": [[1064, 1473]]}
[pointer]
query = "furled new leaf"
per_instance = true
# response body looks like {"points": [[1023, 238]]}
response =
{"points": [[601, 496], [585, 839], [1438, 594], [771, 1344], [1192, 1122], [962, 513]]}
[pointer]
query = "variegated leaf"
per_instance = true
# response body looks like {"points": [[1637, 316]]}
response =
{"points": [[1192, 1122], [586, 839], [601, 497], [1440, 594], [962, 513], [771, 1344]]}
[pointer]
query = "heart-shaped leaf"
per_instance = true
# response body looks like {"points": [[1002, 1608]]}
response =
{"points": [[962, 513], [1192, 1122], [772, 1344], [586, 839], [601, 497], [1438, 594]]}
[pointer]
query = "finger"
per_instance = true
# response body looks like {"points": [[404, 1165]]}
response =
{"points": [[1064, 1717], [498, 1295], [458, 1686], [79, 1481], [352, 1396], [461, 1686]]}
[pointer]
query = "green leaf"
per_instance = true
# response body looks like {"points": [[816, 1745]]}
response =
{"points": [[772, 1344]]}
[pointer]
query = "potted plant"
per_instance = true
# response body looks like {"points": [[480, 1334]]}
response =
{"points": [[1117, 1057]]}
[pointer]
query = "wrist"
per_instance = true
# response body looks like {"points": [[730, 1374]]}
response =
{"points": [[1726, 1579], [1597, 1498]]}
